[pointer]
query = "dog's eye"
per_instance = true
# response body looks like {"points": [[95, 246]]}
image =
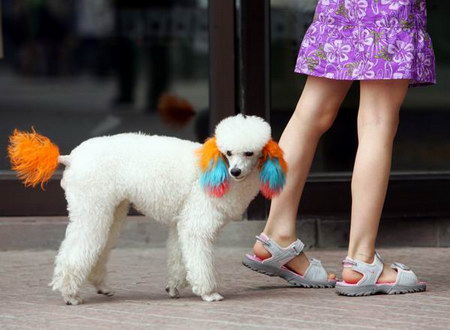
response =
{"points": [[228, 153], [248, 153]]}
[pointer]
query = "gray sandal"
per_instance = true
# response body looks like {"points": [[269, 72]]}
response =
{"points": [[314, 277], [406, 281]]}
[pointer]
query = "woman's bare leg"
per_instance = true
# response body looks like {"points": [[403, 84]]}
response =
{"points": [[378, 118], [314, 114]]}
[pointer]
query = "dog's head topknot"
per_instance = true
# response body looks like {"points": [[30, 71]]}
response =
{"points": [[242, 133]]}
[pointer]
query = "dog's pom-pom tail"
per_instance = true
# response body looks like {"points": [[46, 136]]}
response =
{"points": [[273, 170], [214, 177], [33, 156]]}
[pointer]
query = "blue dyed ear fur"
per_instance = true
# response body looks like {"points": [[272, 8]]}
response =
{"points": [[215, 179]]}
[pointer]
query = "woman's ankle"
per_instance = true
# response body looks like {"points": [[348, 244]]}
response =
{"points": [[283, 239], [364, 257], [362, 253], [365, 254]]}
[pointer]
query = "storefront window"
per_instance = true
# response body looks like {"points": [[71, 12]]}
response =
{"points": [[423, 139], [79, 69]]}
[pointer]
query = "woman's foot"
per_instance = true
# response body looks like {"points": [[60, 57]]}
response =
{"points": [[389, 275], [299, 264], [377, 278]]}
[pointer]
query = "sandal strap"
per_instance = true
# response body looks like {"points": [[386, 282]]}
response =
{"points": [[405, 276], [280, 256], [371, 272], [315, 271]]}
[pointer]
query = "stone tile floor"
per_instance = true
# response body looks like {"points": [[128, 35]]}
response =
{"points": [[251, 300]]}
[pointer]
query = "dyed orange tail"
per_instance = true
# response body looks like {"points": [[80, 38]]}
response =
{"points": [[33, 156]]}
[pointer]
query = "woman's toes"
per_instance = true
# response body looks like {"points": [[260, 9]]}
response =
{"points": [[331, 276]]}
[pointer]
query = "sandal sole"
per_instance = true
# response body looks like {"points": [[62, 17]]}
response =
{"points": [[357, 291], [286, 275]]}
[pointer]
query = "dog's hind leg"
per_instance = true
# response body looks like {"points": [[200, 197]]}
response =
{"points": [[97, 277], [175, 264], [86, 238]]}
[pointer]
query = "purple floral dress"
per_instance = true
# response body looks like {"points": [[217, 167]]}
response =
{"points": [[368, 39]]}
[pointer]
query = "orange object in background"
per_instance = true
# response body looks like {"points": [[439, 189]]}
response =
{"points": [[175, 110]]}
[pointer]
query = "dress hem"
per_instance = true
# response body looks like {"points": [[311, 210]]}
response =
{"points": [[412, 82]]}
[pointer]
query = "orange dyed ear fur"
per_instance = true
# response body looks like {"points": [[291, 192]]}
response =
{"points": [[208, 151], [33, 156], [214, 177], [273, 150]]}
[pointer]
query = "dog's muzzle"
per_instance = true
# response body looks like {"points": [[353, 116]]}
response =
{"points": [[235, 172]]}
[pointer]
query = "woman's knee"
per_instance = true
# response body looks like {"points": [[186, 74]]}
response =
{"points": [[318, 120], [380, 103], [381, 119]]}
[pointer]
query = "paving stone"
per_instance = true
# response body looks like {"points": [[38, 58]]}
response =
{"points": [[251, 300]]}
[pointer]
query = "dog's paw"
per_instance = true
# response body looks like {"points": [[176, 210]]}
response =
{"points": [[72, 299], [173, 292], [104, 290], [182, 284], [212, 297]]}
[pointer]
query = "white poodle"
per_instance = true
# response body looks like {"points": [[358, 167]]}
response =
{"points": [[195, 189]]}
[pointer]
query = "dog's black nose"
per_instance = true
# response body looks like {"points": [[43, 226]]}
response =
{"points": [[235, 172]]}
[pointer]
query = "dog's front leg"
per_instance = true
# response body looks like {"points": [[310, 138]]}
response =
{"points": [[196, 240], [175, 264]]}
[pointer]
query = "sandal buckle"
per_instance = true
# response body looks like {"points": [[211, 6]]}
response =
{"points": [[401, 266], [297, 247], [349, 263]]}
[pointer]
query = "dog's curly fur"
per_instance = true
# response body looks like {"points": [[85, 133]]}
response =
{"points": [[161, 177]]}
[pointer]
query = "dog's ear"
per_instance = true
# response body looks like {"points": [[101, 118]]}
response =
{"points": [[214, 177], [273, 170]]}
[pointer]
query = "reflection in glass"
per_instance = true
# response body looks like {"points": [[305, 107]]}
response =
{"points": [[78, 69]]}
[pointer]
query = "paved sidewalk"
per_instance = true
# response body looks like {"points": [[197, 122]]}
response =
{"points": [[252, 300]]}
